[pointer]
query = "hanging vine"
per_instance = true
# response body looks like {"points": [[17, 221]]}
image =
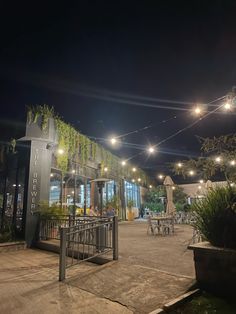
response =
{"points": [[79, 148]]}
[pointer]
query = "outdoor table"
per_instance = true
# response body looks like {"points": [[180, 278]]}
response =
{"points": [[163, 224]]}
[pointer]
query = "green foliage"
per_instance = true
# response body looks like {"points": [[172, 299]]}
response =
{"points": [[130, 204], [79, 148], [50, 211], [215, 217], [207, 304], [6, 234], [153, 199], [43, 112], [180, 199], [206, 166]]}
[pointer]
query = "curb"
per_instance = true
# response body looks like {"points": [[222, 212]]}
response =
{"points": [[173, 304], [12, 246]]}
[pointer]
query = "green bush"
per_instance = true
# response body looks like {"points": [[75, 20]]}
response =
{"points": [[215, 217], [50, 211]]}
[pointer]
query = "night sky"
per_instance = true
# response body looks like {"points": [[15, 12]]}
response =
{"points": [[99, 63]]}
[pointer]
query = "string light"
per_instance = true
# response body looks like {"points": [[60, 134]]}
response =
{"points": [[191, 172], [201, 181], [134, 169], [232, 162], [105, 169], [60, 151], [151, 149], [51, 175], [160, 176], [197, 110], [199, 187], [232, 184], [179, 165], [139, 179], [150, 186], [173, 187], [123, 163], [133, 180], [113, 140], [227, 106], [218, 159]]}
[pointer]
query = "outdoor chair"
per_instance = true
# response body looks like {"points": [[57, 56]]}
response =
{"points": [[150, 227]]}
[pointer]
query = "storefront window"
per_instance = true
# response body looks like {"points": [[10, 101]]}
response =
{"points": [[108, 191], [132, 192]]}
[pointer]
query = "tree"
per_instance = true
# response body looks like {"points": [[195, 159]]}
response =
{"points": [[218, 156], [153, 199]]}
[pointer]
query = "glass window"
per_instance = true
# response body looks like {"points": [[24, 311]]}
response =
{"points": [[132, 192]]}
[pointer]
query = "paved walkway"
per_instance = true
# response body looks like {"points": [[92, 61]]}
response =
{"points": [[150, 272]]}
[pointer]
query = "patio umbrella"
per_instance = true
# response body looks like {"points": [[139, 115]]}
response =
{"points": [[170, 207]]}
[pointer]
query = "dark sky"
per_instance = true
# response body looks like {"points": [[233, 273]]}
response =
{"points": [[117, 52]]}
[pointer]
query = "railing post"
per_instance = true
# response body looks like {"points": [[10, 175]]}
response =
{"points": [[62, 258], [115, 238]]}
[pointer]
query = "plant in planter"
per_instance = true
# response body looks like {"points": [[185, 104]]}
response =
{"points": [[215, 260], [130, 205]]}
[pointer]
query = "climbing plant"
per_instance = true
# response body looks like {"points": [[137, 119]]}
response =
{"points": [[78, 147]]}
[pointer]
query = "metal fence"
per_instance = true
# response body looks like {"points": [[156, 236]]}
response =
{"points": [[50, 226], [86, 240]]}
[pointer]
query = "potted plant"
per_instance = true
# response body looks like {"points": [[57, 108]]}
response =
{"points": [[215, 258], [130, 205]]}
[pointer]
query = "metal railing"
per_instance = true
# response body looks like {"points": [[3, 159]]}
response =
{"points": [[49, 227], [86, 240]]}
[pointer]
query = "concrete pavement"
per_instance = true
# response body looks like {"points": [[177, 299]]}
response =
{"points": [[150, 272]]}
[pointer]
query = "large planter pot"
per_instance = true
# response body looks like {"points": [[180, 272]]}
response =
{"points": [[215, 268], [130, 215]]}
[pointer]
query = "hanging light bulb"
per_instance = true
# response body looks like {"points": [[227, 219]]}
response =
{"points": [[134, 169], [160, 176], [113, 140], [123, 162], [179, 165], [151, 149], [191, 172]]}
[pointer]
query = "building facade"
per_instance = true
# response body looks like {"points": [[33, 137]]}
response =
{"points": [[54, 164]]}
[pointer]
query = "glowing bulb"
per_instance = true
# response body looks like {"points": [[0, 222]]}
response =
{"points": [[113, 140], [133, 180], [51, 175], [232, 162], [197, 110], [60, 151], [73, 192], [151, 149], [227, 106], [191, 172], [134, 169], [150, 186], [13, 184], [139, 179], [201, 181], [232, 184], [218, 159], [73, 171], [105, 169], [123, 163], [160, 176], [173, 187], [199, 187], [179, 164]]}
